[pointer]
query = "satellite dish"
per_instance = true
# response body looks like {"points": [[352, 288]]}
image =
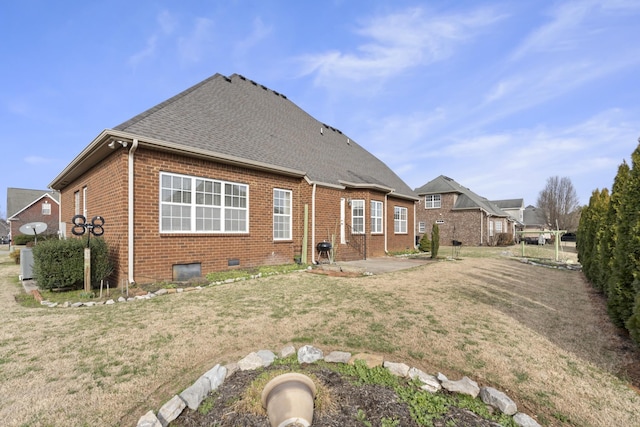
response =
{"points": [[33, 227]]}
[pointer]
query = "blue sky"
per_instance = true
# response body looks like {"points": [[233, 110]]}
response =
{"points": [[498, 95]]}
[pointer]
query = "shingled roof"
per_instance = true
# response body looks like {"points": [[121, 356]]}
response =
{"points": [[235, 116], [466, 199], [20, 198]]}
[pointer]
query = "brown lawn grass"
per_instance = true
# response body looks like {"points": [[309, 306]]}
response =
{"points": [[535, 333]]}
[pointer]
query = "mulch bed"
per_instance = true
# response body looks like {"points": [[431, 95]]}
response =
{"points": [[375, 401]]}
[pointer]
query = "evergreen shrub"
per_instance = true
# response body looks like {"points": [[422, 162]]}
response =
{"points": [[60, 263]]}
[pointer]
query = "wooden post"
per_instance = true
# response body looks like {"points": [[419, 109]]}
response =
{"points": [[87, 270]]}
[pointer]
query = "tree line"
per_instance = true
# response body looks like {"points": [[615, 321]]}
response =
{"points": [[609, 245]]}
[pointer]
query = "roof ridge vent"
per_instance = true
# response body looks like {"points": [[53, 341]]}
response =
{"points": [[227, 79], [242, 77]]}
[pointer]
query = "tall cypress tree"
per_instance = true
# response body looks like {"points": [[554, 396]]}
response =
{"points": [[610, 232], [621, 294], [632, 197], [435, 240]]}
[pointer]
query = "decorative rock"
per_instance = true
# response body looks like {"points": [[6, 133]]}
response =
{"points": [[442, 377], [498, 399], [232, 368], [267, 357], [250, 362], [372, 360], [149, 420], [130, 299], [397, 369], [76, 304], [216, 376], [431, 383], [122, 299], [309, 354], [171, 410], [463, 386], [195, 394], [89, 304], [161, 291], [338, 357], [109, 302], [66, 304], [524, 420], [287, 351], [179, 290]]}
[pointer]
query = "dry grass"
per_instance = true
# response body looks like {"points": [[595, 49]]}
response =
{"points": [[531, 331]]}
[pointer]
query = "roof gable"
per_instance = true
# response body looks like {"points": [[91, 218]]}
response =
{"points": [[19, 199], [235, 116], [466, 199]]}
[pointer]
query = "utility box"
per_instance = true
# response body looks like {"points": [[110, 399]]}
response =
{"points": [[26, 263]]}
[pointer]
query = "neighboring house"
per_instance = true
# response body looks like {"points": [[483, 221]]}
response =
{"points": [[515, 209], [227, 174], [25, 206], [534, 222], [4, 230], [461, 214]]}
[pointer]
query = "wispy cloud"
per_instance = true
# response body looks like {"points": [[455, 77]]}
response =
{"points": [[194, 46], [259, 31], [37, 160], [397, 42], [166, 24]]}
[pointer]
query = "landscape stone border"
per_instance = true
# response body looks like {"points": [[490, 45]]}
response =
{"points": [[193, 396]]}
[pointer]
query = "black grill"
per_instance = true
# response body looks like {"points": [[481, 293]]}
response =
{"points": [[323, 247]]}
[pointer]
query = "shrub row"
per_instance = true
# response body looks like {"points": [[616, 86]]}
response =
{"points": [[60, 263], [609, 247]]}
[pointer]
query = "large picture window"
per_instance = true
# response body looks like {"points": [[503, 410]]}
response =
{"points": [[432, 201], [357, 216], [376, 217], [281, 214], [198, 205], [400, 219]]}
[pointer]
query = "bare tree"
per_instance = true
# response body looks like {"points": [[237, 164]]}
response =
{"points": [[560, 204]]}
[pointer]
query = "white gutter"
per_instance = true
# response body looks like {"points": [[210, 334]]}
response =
{"points": [[313, 224], [130, 229]]}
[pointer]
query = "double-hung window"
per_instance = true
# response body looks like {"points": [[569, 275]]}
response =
{"points": [[46, 208], [199, 205], [376, 217], [400, 219], [432, 201], [281, 214], [357, 216]]}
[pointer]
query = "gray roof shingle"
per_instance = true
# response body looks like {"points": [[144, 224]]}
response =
{"points": [[235, 116]]}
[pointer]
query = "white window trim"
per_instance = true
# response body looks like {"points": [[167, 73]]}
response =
{"points": [[283, 215], [422, 226], [193, 206], [432, 203], [46, 208], [84, 202], [398, 222], [364, 223], [76, 202], [377, 221]]}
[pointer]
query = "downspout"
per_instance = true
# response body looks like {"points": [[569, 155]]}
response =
{"points": [[384, 225], [130, 227], [313, 224], [481, 226]]}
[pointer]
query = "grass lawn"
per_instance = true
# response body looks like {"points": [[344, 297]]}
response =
{"points": [[536, 333]]}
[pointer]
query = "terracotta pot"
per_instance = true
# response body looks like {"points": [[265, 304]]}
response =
{"points": [[288, 399]]}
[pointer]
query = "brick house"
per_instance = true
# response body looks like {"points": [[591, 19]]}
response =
{"points": [[231, 174], [25, 206], [461, 214]]}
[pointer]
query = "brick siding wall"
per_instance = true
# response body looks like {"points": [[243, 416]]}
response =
{"points": [[33, 213], [156, 252]]}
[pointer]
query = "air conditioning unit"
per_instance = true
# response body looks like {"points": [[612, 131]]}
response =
{"points": [[26, 263]]}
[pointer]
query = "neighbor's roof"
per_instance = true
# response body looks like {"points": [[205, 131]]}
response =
{"points": [[237, 119], [533, 216], [466, 199], [509, 203], [19, 198]]}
